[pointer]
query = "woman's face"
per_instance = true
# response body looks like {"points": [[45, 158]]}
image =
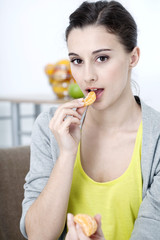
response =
{"points": [[99, 62]]}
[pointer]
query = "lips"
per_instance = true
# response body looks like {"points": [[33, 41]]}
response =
{"points": [[98, 91]]}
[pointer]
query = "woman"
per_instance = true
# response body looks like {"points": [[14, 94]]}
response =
{"points": [[103, 159]]}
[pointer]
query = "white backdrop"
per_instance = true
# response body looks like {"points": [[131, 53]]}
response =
{"points": [[32, 35]]}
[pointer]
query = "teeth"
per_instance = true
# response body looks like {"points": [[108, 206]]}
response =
{"points": [[95, 89]]}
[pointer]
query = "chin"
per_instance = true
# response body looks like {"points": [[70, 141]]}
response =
{"points": [[98, 106]]}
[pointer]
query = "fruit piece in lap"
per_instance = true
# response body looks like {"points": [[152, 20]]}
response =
{"points": [[87, 223]]}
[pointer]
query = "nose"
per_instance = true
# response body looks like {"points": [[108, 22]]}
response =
{"points": [[89, 74]]}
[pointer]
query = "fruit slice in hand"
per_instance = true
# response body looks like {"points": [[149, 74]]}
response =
{"points": [[91, 97], [87, 223]]}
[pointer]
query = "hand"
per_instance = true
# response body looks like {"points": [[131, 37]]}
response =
{"points": [[65, 125], [75, 232]]}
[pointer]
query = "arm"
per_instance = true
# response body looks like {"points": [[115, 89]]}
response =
{"points": [[47, 189], [75, 232], [46, 217]]}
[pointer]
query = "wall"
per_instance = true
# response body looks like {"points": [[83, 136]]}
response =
{"points": [[147, 72], [32, 35]]}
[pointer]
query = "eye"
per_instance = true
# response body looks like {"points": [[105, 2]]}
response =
{"points": [[76, 61], [102, 58]]}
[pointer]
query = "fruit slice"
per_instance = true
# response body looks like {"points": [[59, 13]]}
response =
{"points": [[87, 223], [91, 97]]}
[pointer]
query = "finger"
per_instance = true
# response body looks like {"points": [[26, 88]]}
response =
{"points": [[70, 120], [99, 231], [69, 112], [98, 218], [72, 233], [76, 103], [70, 221], [67, 236], [81, 110], [62, 112], [63, 115], [81, 235]]}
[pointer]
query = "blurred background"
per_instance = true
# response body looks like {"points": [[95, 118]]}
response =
{"points": [[32, 36]]}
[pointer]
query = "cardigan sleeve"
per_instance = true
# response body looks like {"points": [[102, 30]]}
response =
{"points": [[147, 225], [44, 152]]}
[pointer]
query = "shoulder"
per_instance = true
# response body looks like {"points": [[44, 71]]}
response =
{"points": [[150, 145], [150, 116], [44, 117], [41, 124]]}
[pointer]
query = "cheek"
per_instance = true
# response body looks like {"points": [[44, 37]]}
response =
{"points": [[116, 78], [73, 72], [118, 72], [77, 75]]}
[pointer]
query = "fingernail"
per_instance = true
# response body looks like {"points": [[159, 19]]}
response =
{"points": [[81, 101], [69, 217]]}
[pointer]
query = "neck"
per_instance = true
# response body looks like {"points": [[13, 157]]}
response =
{"points": [[123, 114]]}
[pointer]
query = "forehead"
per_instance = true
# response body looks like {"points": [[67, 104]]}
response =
{"points": [[90, 38]]}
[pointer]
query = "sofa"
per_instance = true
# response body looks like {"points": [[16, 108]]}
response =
{"points": [[14, 165]]}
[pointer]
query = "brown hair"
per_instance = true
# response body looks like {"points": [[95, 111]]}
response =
{"points": [[112, 15]]}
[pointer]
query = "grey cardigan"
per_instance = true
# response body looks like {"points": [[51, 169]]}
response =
{"points": [[45, 151]]}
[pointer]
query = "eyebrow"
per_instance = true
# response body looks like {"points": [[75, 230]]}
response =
{"points": [[101, 50], [94, 52]]}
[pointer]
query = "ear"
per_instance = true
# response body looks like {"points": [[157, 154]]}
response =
{"points": [[134, 57]]}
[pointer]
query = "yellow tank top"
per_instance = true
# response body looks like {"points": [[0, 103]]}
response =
{"points": [[117, 201]]}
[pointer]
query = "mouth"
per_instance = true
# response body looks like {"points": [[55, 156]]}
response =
{"points": [[98, 91]]}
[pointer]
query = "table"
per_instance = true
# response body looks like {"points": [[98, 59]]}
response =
{"points": [[15, 101]]}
